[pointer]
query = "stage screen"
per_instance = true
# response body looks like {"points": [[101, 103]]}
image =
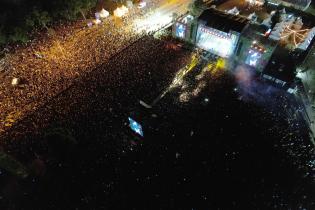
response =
{"points": [[180, 30], [136, 127], [216, 42], [253, 57]]}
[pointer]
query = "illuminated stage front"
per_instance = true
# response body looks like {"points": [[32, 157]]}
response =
{"points": [[215, 41], [180, 30]]}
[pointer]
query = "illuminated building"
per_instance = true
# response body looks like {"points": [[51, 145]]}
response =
{"points": [[297, 4], [183, 28], [292, 33], [272, 47], [219, 32], [213, 31], [275, 50], [256, 2], [266, 57], [255, 49]]}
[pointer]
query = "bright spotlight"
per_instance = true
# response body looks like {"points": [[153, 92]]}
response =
{"points": [[142, 4], [121, 11], [104, 13], [97, 21], [15, 81], [152, 22]]}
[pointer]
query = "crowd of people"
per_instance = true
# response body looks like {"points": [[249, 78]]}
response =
{"points": [[96, 107], [295, 135], [95, 110], [139, 72], [49, 65], [90, 81]]}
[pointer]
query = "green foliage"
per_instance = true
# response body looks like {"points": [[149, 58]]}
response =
{"points": [[3, 38], [196, 7], [71, 9], [20, 17], [13, 166], [19, 35], [38, 18], [82, 6]]}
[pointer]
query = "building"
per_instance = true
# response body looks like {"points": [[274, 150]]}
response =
{"points": [[211, 30], [219, 32], [277, 44], [183, 28], [297, 4], [255, 49], [271, 50]]}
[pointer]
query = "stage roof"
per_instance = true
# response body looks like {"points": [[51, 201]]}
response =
{"points": [[301, 3], [223, 21]]}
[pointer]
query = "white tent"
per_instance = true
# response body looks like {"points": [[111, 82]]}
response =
{"points": [[233, 11], [104, 13]]}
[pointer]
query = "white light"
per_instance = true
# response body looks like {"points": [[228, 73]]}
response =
{"points": [[142, 4], [15, 81], [96, 21], [121, 11], [214, 43], [252, 62], [152, 22], [104, 13]]}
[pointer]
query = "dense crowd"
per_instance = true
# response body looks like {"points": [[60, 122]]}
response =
{"points": [[49, 65], [239, 139], [226, 145], [139, 72], [101, 101]]}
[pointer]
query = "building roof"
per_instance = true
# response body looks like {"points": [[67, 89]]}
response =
{"points": [[281, 65], [223, 21], [300, 3]]}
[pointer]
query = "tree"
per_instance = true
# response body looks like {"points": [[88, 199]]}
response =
{"points": [[196, 7], [12, 165], [38, 18], [3, 38], [17, 18], [82, 6], [19, 35]]}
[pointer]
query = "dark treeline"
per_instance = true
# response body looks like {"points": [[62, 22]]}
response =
{"points": [[19, 17]]}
